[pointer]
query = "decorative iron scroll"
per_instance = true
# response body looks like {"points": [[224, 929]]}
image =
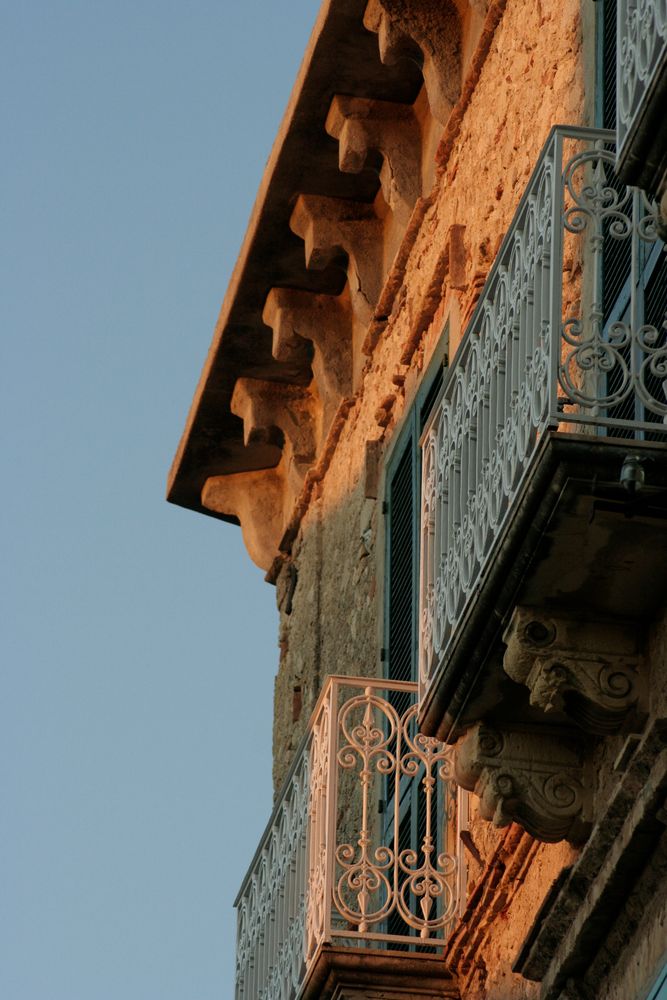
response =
{"points": [[538, 353], [331, 866], [374, 877], [642, 47]]}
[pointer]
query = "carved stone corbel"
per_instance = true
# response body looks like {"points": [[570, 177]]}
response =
{"points": [[530, 777], [428, 31], [298, 317], [362, 126], [257, 500], [589, 670], [276, 412], [332, 227]]}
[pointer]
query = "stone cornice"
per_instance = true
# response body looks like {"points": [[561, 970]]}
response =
{"points": [[342, 56], [338, 210]]}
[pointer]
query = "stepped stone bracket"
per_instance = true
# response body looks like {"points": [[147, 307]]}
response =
{"points": [[333, 227], [363, 126], [257, 500], [528, 777], [300, 318], [428, 31], [272, 411], [589, 670]]}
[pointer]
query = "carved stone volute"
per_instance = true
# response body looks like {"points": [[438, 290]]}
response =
{"points": [[589, 670], [531, 777]]}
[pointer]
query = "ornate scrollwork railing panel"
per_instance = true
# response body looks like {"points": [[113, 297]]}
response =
{"points": [[329, 866], [271, 906], [642, 52], [382, 888], [540, 352]]}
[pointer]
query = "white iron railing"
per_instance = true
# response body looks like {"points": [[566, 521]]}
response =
{"points": [[334, 865], [542, 350], [642, 55]]}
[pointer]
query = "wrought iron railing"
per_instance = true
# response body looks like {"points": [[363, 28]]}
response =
{"points": [[333, 865], [548, 346], [642, 55]]}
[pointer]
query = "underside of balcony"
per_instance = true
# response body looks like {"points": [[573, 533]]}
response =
{"points": [[348, 974], [581, 546]]}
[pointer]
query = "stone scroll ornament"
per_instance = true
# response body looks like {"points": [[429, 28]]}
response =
{"points": [[375, 879], [590, 671], [532, 778]]}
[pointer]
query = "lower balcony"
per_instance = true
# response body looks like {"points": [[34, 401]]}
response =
{"points": [[356, 881], [544, 472]]}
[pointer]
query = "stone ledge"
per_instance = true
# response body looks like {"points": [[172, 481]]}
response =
{"points": [[304, 161], [338, 973]]}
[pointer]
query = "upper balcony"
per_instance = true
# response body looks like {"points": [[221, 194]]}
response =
{"points": [[544, 459], [356, 878], [642, 92]]}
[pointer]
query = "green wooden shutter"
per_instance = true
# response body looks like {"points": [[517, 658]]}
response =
{"points": [[402, 498], [402, 554], [401, 510]]}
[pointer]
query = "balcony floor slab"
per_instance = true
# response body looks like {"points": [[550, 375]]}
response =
{"points": [[339, 973]]}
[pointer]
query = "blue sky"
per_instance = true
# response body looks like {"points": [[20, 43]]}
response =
{"points": [[139, 644]]}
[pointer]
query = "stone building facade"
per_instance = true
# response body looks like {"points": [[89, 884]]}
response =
{"points": [[435, 403]]}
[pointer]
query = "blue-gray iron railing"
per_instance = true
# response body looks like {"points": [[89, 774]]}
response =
{"points": [[642, 57], [543, 350]]}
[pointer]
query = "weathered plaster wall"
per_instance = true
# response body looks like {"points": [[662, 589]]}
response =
{"points": [[533, 77]]}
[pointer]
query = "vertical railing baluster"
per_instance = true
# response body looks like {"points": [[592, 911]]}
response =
{"points": [[331, 810]]}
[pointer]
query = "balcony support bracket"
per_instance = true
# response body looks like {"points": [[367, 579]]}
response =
{"points": [[589, 670], [530, 776]]}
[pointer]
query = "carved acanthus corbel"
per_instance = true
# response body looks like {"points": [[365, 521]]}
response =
{"points": [[533, 778], [363, 126], [277, 413], [324, 320], [428, 31], [258, 501], [589, 670], [332, 227]]}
